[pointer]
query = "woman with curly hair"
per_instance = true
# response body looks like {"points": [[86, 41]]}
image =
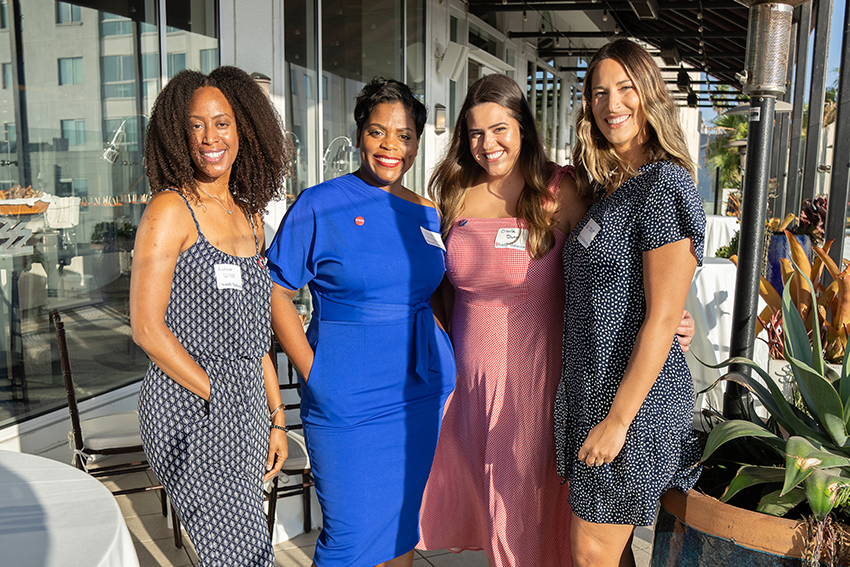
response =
{"points": [[209, 406], [624, 407]]}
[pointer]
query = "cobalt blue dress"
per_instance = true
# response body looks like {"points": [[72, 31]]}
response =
{"points": [[382, 370]]}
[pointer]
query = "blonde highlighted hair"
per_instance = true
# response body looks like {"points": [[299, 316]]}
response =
{"points": [[458, 171], [598, 167]]}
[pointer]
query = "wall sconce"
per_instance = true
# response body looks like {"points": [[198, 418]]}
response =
{"points": [[264, 81], [439, 118]]}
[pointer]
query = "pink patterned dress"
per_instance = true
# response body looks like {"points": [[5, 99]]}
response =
{"points": [[493, 485]]}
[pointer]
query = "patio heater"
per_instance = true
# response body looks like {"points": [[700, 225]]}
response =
{"points": [[768, 37]]}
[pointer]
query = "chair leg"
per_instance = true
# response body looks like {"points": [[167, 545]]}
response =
{"points": [[308, 520], [164, 502], [175, 525], [272, 506]]}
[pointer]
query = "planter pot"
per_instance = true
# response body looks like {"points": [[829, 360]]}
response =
{"points": [[694, 530], [778, 247]]}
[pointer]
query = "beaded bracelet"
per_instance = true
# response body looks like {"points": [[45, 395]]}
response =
{"points": [[281, 427], [277, 409]]}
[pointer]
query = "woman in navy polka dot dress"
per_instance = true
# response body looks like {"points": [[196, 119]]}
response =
{"points": [[623, 431]]}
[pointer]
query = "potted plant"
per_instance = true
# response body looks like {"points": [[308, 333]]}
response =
{"points": [[787, 476], [808, 231]]}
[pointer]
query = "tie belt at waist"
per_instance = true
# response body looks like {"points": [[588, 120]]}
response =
{"points": [[367, 313]]}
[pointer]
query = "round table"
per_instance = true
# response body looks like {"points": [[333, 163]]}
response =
{"points": [[52, 515]]}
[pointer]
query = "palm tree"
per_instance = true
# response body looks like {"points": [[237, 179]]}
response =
{"points": [[719, 154]]}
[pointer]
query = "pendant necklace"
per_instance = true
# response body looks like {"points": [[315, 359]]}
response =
{"points": [[219, 202]]}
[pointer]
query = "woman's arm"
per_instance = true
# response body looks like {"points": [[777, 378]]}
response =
{"points": [[571, 208], [278, 450], [665, 290], [289, 330], [166, 229]]}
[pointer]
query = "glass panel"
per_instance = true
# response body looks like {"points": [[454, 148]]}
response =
{"points": [[483, 40], [191, 31], [302, 106], [415, 53], [362, 40], [71, 142]]}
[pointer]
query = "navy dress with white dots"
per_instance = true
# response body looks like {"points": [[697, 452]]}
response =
{"points": [[605, 308]]}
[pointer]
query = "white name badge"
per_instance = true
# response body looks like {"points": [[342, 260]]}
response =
{"points": [[513, 238], [432, 238], [228, 276], [588, 233]]}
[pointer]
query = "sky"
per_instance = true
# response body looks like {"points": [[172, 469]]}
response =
{"points": [[834, 57]]}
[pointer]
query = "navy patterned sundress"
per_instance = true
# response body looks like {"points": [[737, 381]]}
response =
{"points": [[211, 456], [605, 308]]}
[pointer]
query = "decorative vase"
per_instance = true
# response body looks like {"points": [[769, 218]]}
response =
{"points": [[777, 248], [695, 530]]}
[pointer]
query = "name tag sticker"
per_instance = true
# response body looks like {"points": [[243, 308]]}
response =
{"points": [[513, 238], [228, 276], [432, 238], [588, 233]]}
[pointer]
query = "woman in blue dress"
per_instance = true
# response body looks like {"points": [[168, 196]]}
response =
{"points": [[377, 367], [623, 410]]}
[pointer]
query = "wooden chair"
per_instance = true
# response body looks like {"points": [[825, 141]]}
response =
{"points": [[297, 462], [108, 435]]}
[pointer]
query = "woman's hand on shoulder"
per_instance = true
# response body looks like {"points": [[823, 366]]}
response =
{"points": [[571, 208]]}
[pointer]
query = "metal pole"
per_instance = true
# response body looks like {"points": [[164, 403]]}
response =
{"points": [[751, 247], [814, 129], [718, 192], [792, 189], [836, 216], [768, 32]]}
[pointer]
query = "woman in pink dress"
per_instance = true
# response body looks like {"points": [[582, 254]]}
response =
{"points": [[506, 213]]}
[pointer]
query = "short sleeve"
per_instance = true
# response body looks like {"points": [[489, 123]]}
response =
{"points": [[290, 257], [672, 210]]}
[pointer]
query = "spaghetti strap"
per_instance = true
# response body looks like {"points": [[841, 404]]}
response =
{"points": [[191, 210], [256, 242]]}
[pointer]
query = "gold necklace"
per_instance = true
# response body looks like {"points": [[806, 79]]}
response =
{"points": [[219, 202]]}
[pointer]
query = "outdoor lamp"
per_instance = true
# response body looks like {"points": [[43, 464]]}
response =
{"points": [[439, 118]]}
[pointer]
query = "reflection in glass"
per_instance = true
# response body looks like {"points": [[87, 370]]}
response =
{"points": [[72, 185], [363, 41]]}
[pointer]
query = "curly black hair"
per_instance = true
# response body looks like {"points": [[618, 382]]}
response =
{"points": [[380, 90], [265, 154]]}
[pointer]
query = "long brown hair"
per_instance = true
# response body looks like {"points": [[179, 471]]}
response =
{"points": [[598, 166], [458, 170]]}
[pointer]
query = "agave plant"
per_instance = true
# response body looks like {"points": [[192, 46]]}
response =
{"points": [[832, 302], [810, 444]]}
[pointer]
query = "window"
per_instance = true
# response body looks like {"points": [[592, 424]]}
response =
{"points": [[70, 70], [118, 76], [209, 60], [67, 13], [110, 24], [4, 15], [176, 63], [74, 131], [81, 187], [7, 75]]}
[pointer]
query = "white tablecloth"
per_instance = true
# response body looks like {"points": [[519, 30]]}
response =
{"points": [[53, 515], [719, 230], [710, 301]]}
